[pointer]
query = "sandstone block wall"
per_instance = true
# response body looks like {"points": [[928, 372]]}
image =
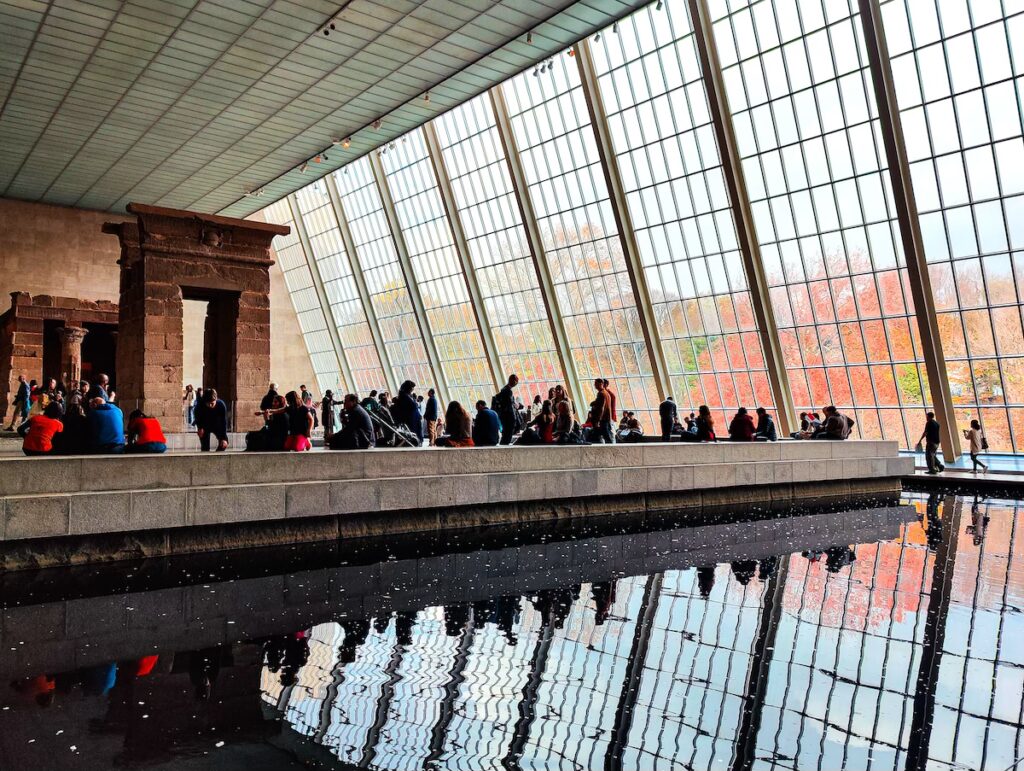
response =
{"points": [[61, 252]]}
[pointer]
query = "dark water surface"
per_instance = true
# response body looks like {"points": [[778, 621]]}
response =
{"points": [[883, 637]]}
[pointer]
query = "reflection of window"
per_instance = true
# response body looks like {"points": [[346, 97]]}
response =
{"points": [[666, 150], [305, 299], [956, 87], [803, 108], [566, 186], [377, 258], [497, 246]]}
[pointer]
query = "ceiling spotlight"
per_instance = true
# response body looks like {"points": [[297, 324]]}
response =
{"points": [[660, 5], [615, 28], [529, 37], [551, 66], [376, 123], [346, 142], [571, 52], [536, 70], [303, 167], [426, 97], [597, 38], [327, 32], [391, 146], [332, 26], [318, 159]]}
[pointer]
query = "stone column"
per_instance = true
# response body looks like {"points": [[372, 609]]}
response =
{"points": [[71, 353]]}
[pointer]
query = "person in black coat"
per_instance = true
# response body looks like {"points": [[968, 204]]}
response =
{"points": [[669, 415], [406, 411], [356, 427], [212, 420], [267, 403]]}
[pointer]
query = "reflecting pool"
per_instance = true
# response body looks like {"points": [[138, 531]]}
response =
{"points": [[887, 636]]}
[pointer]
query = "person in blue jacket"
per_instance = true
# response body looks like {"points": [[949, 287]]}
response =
{"points": [[486, 426], [106, 426]]}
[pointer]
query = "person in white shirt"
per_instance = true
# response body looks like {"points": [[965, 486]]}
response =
{"points": [[977, 442]]}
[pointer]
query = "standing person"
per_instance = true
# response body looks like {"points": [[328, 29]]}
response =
{"points": [[212, 420], [486, 426], [188, 401], [300, 424], [145, 434], [765, 427], [106, 426], [669, 415], [39, 430], [978, 442], [505, 406], [267, 402], [307, 401], [930, 437], [406, 411], [327, 419], [431, 412], [612, 399], [600, 417], [21, 403]]}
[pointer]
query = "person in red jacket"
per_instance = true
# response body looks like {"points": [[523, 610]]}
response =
{"points": [[742, 428], [38, 430], [145, 434]]}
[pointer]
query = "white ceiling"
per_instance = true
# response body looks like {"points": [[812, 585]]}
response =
{"points": [[192, 103]]}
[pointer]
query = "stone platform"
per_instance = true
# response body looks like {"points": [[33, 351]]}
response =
{"points": [[75, 510]]}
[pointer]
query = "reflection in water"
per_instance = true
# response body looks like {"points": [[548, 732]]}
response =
{"points": [[900, 650]]}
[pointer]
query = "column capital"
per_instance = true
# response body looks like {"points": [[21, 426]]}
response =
{"points": [[72, 334]]}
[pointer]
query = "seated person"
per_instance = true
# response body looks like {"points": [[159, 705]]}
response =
{"points": [[459, 427], [300, 424], [836, 427], [76, 438], [356, 427], [765, 427], [106, 426], [145, 434], [741, 428], [702, 427], [38, 431], [541, 430], [486, 426], [566, 429], [272, 436], [629, 431]]}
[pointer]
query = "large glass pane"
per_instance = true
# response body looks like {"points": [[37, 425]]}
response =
{"points": [[437, 269], [377, 258], [299, 280], [498, 247], [342, 293], [665, 146], [566, 185], [958, 69], [800, 92]]}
